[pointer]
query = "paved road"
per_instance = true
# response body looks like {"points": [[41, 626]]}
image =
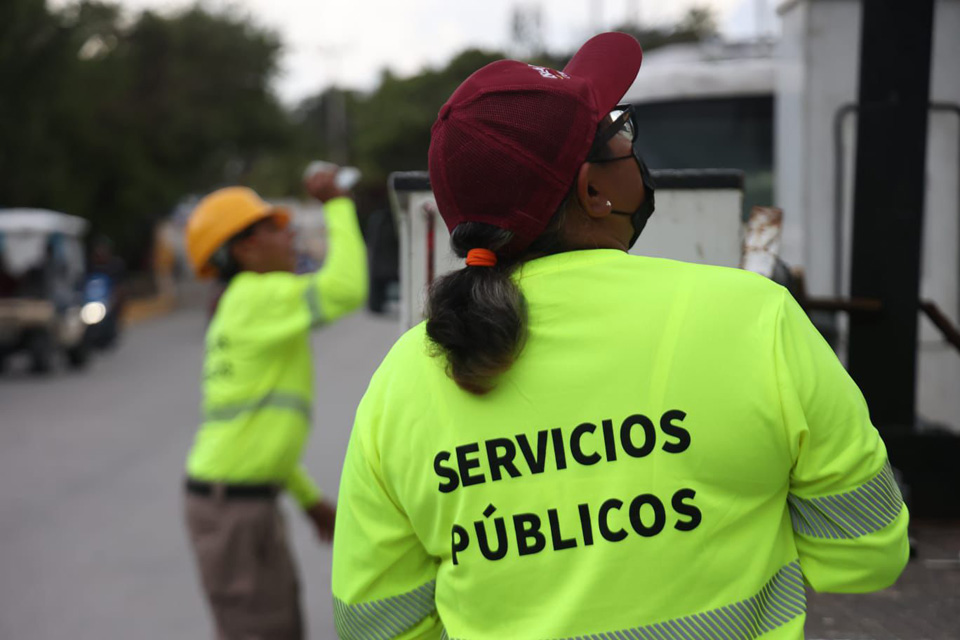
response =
{"points": [[92, 544]]}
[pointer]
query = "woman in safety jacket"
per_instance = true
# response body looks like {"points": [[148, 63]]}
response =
{"points": [[582, 443], [258, 399]]}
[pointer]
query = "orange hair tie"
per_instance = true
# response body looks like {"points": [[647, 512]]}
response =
{"points": [[481, 258]]}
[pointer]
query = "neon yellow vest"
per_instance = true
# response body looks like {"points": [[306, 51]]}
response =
{"points": [[258, 373], [675, 451]]}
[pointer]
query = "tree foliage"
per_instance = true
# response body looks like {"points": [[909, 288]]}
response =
{"points": [[117, 120], [118, 117], [389, 129], [698, 24]]}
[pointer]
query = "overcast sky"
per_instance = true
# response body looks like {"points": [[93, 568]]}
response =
{"points": [[349, 42]]}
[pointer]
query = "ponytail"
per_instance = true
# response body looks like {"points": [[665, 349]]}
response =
{"points": [[477, 316]]}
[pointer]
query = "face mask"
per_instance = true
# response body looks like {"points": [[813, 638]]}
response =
{"points": [[639, 217]]}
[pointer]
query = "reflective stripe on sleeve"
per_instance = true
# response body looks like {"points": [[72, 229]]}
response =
{"points": [[274, 400], [780, 600], [864, 510], [384, 619], [313, 303]]}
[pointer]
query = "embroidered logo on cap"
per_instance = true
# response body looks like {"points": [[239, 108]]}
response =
{"points": [[550, 73]]}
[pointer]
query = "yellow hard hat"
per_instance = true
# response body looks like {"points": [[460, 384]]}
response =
{"points": [[220, 216]]}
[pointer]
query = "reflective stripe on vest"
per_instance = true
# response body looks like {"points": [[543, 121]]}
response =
{"points": [[780, 600], [274, 400], [385, 618], [868, 508]]}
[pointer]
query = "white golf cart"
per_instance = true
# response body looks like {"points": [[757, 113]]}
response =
{"points": [[41, 287]]}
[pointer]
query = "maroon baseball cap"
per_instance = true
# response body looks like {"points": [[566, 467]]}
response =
{"points": [[507, 145]]}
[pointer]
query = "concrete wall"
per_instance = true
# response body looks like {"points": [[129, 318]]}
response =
{"points": [[820, 65], [938, 390]]}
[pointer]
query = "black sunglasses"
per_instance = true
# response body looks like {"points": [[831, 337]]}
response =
{"points": [[623, 121]]}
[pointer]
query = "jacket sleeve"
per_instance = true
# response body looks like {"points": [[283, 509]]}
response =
{"points": [[383, 578], [341, 284], [849, 520], [274, 306], [302, 487]]}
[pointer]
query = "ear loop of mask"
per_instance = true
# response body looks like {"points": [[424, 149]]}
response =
{"points": [[638, 218]]}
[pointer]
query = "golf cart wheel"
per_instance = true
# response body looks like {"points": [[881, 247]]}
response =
{"points": [[79, 356], [42, 351]]}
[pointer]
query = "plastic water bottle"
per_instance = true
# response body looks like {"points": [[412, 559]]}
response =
{"points": [[346, 178]]}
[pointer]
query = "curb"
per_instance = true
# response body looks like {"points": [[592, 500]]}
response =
{"points": [[145, 309]]}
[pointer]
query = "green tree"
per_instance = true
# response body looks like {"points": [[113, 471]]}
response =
{"points": [[697, 25], [200, 99], [392, 126], [35, 55], [117, 121]]}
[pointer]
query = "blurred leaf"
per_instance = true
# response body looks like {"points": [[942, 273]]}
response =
{"points": [[118, 117], [118, 120]]}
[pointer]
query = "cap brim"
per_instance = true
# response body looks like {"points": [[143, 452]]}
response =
{"points": [[609, 62]]}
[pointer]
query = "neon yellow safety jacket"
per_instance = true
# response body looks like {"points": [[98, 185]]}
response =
{"points": [[673, 455], [258, 373]]}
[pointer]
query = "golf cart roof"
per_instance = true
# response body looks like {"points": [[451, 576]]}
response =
{"points": [[24, 221]]}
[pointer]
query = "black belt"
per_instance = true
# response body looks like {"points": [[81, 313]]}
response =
{"points": [[227, 490]]}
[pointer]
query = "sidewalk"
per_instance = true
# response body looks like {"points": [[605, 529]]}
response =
{"points": [[923, 605], [192, 294], [142, 309]]}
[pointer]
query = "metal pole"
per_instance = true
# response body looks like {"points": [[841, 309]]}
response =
{"points": [[888, 202]]}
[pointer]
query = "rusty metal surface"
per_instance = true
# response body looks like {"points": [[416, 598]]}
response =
{"points": [[938, 318], [761, 241]]}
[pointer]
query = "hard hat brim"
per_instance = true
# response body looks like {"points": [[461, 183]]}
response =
{"points": [[281, 214]]}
